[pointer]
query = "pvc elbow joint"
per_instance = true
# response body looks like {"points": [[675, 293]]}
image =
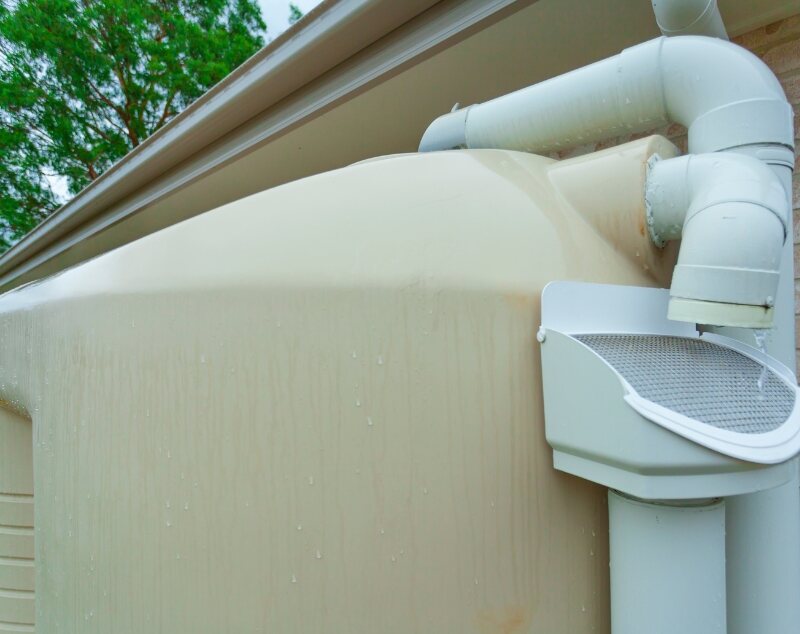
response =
{"points": [[732, 216]]}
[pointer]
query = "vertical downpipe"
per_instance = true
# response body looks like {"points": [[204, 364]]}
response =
{"points": [[17, 610], [763, 529], [665, 561]]}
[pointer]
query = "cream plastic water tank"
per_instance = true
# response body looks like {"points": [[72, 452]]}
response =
{"points": [[319, 408]]}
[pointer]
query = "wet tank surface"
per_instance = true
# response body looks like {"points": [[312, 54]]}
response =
{"points": [[318, 409]]}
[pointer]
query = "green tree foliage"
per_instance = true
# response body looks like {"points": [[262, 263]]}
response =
{"points": [[82, 82], [295, 13]]}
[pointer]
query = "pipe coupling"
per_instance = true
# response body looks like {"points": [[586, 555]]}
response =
{"points": [[731, 213]]}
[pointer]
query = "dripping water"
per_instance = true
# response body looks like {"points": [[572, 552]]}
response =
{"points": [[761, 343]]}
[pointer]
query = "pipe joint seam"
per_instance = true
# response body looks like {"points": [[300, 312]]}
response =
{"points": [[680, 188], [778, 212]]}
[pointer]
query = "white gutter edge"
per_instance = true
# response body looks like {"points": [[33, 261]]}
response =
{"points": [[327, 36], [689, 17]]}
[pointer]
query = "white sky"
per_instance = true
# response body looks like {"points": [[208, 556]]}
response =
{"points": [[276, 14]]}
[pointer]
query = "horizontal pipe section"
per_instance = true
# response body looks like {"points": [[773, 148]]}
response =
{"points": [[721, 92]]}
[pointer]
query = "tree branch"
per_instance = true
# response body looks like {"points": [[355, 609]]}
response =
{"points": [[166, 112], [123, 114]]}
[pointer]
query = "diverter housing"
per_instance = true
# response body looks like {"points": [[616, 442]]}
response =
{"points": [[647, 406]]}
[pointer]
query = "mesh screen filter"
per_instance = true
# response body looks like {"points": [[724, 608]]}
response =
{"points": [[704, 381]]}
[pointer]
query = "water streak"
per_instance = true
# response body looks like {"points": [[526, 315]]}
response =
{"points": [[761, 343]]}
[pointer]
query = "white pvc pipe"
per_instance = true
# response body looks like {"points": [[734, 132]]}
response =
{"points": [[731, 213], [721, 92], [763, 529], [667, 567], [780, 342], [763, 545], [689, 17], [729, 100]]}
